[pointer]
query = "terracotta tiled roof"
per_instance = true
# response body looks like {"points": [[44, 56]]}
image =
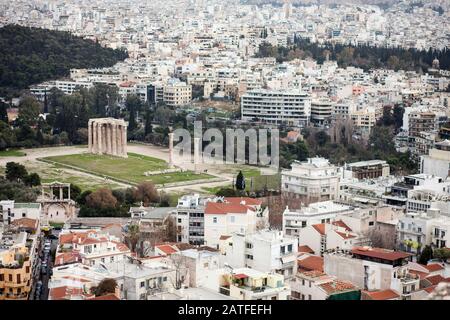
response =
{"points": [[224, 237], [305, 249], [63, 293], [382, 295], [320, 227], [422, 275], [225, 208], [345, 235], [434, 267], [25, 223], [337, 286], [434, 280], [380, 253], [67, 257], [248, 201], [342, 224], [430, 289], [167, 249], [311, 263]]}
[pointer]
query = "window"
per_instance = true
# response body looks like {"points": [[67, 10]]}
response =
{"points": [[142, 284], [309, 297], [303, 224], [290, 248], [282, 249], [232, 219], [303, 282], [371, 223], [179, 220], [215, 220]]}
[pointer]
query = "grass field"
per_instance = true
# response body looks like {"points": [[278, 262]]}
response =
{"points": [[12, 153], [131, 169]]}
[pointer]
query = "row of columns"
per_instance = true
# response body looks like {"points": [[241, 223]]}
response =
{"points": [[107, 138]]}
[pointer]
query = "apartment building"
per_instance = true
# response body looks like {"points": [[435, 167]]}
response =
{"points": [[277, 107], [373, 269], [17, 258], [316, 285], [437, 162], [177, 93], [421, 122], [319, 212], [248, 284], [321, 111], [11, 210], [266, 250], [224, 216], [89, 247], [369, 169], [311, 181], [190, 219]]}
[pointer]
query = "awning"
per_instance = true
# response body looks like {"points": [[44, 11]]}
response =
{"points": [[240, 276]]}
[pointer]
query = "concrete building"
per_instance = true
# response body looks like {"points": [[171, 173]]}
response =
{"points": [[11, 210], [248, 284], [289, 107], [319, 212], [311, 181], [233, 214], [190, 219], [370, 169], [177, 93], [266, 251], [437, 162], [316, 285]]}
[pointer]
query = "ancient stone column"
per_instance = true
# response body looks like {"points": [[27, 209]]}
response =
{"points": [[171, 150], [108, 138], [99, 139], [94, 137], [196, 154], [114, 139], [90, 136], [124, 141]]}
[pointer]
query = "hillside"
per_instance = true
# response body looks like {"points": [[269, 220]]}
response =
{"points": [[32, 55]]}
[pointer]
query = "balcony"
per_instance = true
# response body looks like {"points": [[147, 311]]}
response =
{"points": [[224, 291]]}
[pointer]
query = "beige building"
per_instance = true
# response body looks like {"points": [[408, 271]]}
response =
{"points": [[177, 93], [16, 262], [311, 181]]}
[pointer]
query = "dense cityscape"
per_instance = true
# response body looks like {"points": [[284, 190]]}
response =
{"points": [[119, 127]]}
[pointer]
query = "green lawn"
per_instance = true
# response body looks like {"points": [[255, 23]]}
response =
{"points": [[130, 169], [12, 153]]}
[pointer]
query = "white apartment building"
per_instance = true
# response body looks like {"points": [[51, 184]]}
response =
{"points": [[248, 284], [373, 269], [437, 163], [190, 219], [11, 210], [266, 250], [290, 107], [321, 111], [316, 285], [319, 212], [90, 248], [311, 181], [228, 215], [327, 236]]}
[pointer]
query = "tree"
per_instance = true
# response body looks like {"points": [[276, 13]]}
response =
{"points": [[148, 129], [132, 236], [226, 192], [426, 255], [15, 172], [81, 199], [32, 180], [3, 112], [240, 181], [29, 109], [146, 192], [441, 253], [106, 286], [101, 199]]}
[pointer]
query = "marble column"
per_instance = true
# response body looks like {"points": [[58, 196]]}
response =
{"points": [[99, 138], [196, 154], [124, 141], [171, 150], [94, 137], [114, 139], [90, 136], [108, 138]]}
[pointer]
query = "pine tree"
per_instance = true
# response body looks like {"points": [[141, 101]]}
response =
{"points": [[148, 123], [240, 181], [426, 255]]}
